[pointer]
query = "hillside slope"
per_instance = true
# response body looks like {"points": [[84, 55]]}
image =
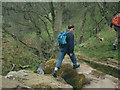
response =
{"points": [[95, 48]]}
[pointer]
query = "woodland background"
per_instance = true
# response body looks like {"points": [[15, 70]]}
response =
{"points": [[30, 30]]}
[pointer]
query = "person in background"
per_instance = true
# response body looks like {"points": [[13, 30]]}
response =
{"points": [[116, 23]]}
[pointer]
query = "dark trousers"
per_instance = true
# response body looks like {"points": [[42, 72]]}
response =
{"points": [[117, 37]]}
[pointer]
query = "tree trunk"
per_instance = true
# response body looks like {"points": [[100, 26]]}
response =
{"points": [[58, 23], [58, 20], [56, 12], [52, 10], [82, 27]]}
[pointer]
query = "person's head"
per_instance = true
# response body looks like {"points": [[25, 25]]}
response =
{"points": [[71, 27]]}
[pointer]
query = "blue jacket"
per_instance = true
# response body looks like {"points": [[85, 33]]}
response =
{"points": [[70, 43]]}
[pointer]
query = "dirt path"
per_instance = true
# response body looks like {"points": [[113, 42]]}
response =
{"points": [[95, 78]]}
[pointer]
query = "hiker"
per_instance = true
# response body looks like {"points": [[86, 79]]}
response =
{"points": [[116, 22], [67, 48]]}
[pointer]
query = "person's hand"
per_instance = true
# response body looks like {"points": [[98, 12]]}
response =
{"points": [[75, 43], [110, 28], [71, 54]]}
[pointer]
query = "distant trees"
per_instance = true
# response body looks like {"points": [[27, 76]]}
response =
{"points": [[100, 14], [38, 24], [45, 19]]}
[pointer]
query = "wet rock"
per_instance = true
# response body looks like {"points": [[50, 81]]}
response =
{"points": [[40, 69]]}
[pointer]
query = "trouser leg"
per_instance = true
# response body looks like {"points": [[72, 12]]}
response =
{"points": [[59, 62], [61, 57], [73, 58], [117, 38], [119, 46]]}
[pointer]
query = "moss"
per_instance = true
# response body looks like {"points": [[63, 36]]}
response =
{"points": [[79, 81], [49, 66], [104, 68], [67, 72], [66, 69]]}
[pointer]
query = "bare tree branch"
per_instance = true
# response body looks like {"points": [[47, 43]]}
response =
{"points": [[13, 66], [17, 39], [23, 67], [103, 12], [46, 29], [47, 14]]}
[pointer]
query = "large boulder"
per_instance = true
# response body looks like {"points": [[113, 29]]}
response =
{"points": [[67, 72], [29, 79], [12, 83]]}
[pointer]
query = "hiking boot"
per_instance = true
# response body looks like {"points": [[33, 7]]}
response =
{"points": [[55, 74], [76, 66], [114, 47]]}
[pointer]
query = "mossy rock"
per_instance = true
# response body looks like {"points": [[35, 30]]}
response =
{"points": [[67, 72], [49, 66], [71, 76]]}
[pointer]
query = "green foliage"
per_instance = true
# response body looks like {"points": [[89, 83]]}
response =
{"points": [[18, 54], [99, 49]]}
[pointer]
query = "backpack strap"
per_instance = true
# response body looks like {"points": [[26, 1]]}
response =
{"points": [[56, 44], [67, 31]]}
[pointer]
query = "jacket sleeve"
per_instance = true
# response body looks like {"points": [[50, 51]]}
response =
{"points": [[111, 24], [70, 41]]}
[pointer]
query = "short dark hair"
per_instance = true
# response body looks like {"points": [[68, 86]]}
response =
{"points": [[70, 26]]}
